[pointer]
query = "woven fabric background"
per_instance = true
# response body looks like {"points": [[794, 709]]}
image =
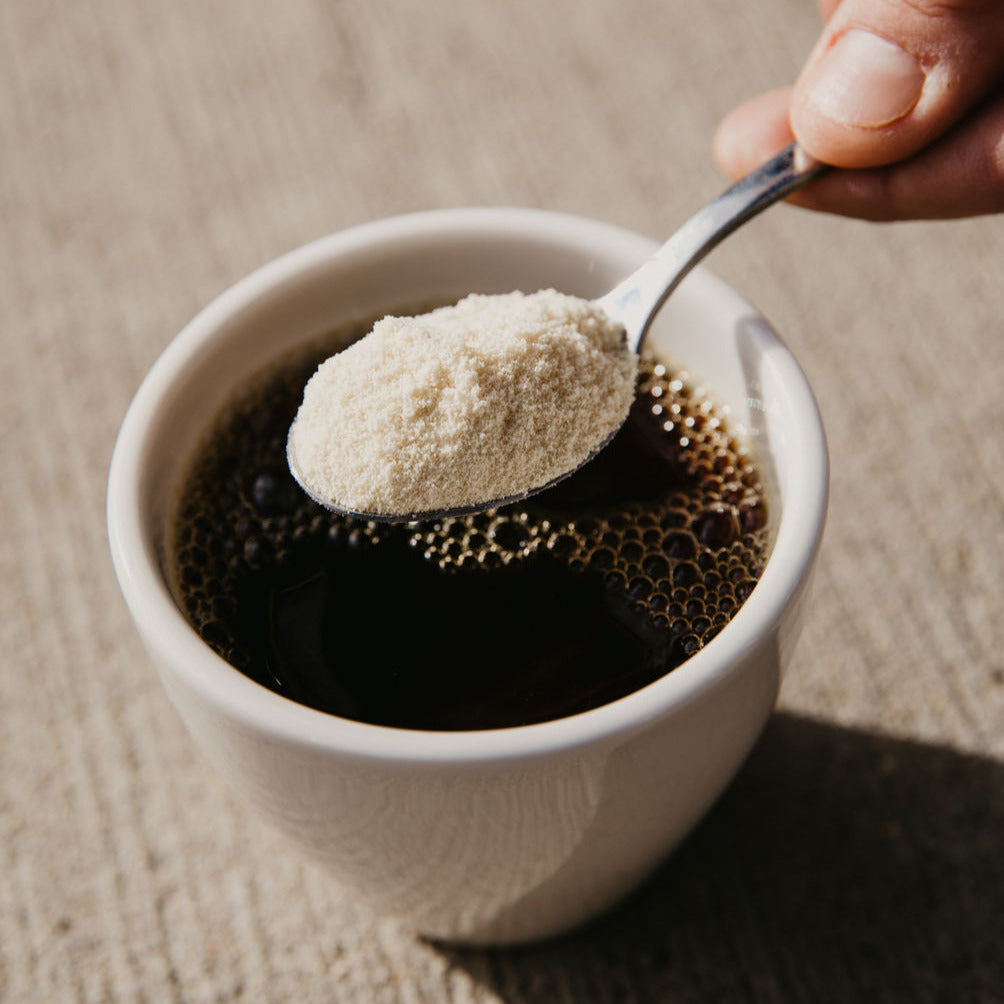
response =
{"points": [[153, 153]]}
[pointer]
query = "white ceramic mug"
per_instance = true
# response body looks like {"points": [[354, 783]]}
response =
{"points": [[493, 836]]}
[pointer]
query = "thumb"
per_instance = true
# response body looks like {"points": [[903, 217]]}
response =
{"points": [[887, 77]]}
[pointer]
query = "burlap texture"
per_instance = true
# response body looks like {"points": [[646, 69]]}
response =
{"points": [[155, 152]]}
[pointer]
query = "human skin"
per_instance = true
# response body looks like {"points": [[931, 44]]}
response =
{"points": [[908, 95]]}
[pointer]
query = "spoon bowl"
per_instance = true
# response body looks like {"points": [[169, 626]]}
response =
{"points": [[432, 514], [635, 301]]}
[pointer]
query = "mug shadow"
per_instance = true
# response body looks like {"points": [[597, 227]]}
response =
{"points": [[839, 866]]}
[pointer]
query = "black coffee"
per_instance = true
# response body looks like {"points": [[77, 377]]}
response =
{"points": [[567, 601]]}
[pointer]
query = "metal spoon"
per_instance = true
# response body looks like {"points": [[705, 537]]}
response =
{"points": [[635, 301]]}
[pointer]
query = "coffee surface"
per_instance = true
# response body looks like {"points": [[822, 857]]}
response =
{"points": [[562, 603]]}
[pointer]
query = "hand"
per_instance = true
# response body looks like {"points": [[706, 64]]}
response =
{"points": [[909, 93]]}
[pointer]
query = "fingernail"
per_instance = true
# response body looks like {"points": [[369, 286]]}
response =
{"points": [[864, 80]]}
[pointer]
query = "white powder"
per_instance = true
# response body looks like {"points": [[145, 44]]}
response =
{"points": [[464, 405]]}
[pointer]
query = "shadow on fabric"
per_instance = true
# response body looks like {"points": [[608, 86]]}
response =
{"points": [[839, 866]]}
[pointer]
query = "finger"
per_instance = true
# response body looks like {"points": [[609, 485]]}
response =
{"points": [[887, 78], [827, 7], [752, 133], [962, 174]]}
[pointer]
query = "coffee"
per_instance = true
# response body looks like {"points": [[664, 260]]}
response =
{"points": [[567, 601]]}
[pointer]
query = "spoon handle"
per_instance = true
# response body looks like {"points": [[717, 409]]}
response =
{"points": [[634, 301]]}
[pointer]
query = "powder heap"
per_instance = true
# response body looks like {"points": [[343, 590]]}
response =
{"points": [[467, 404]]}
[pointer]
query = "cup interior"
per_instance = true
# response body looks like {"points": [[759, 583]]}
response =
{"points": [[394, 265]]}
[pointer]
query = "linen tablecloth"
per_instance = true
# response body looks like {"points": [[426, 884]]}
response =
{"points": [[153, 153]]}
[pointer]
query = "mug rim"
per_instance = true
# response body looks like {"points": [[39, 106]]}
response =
{"points": [[174, 643]]}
